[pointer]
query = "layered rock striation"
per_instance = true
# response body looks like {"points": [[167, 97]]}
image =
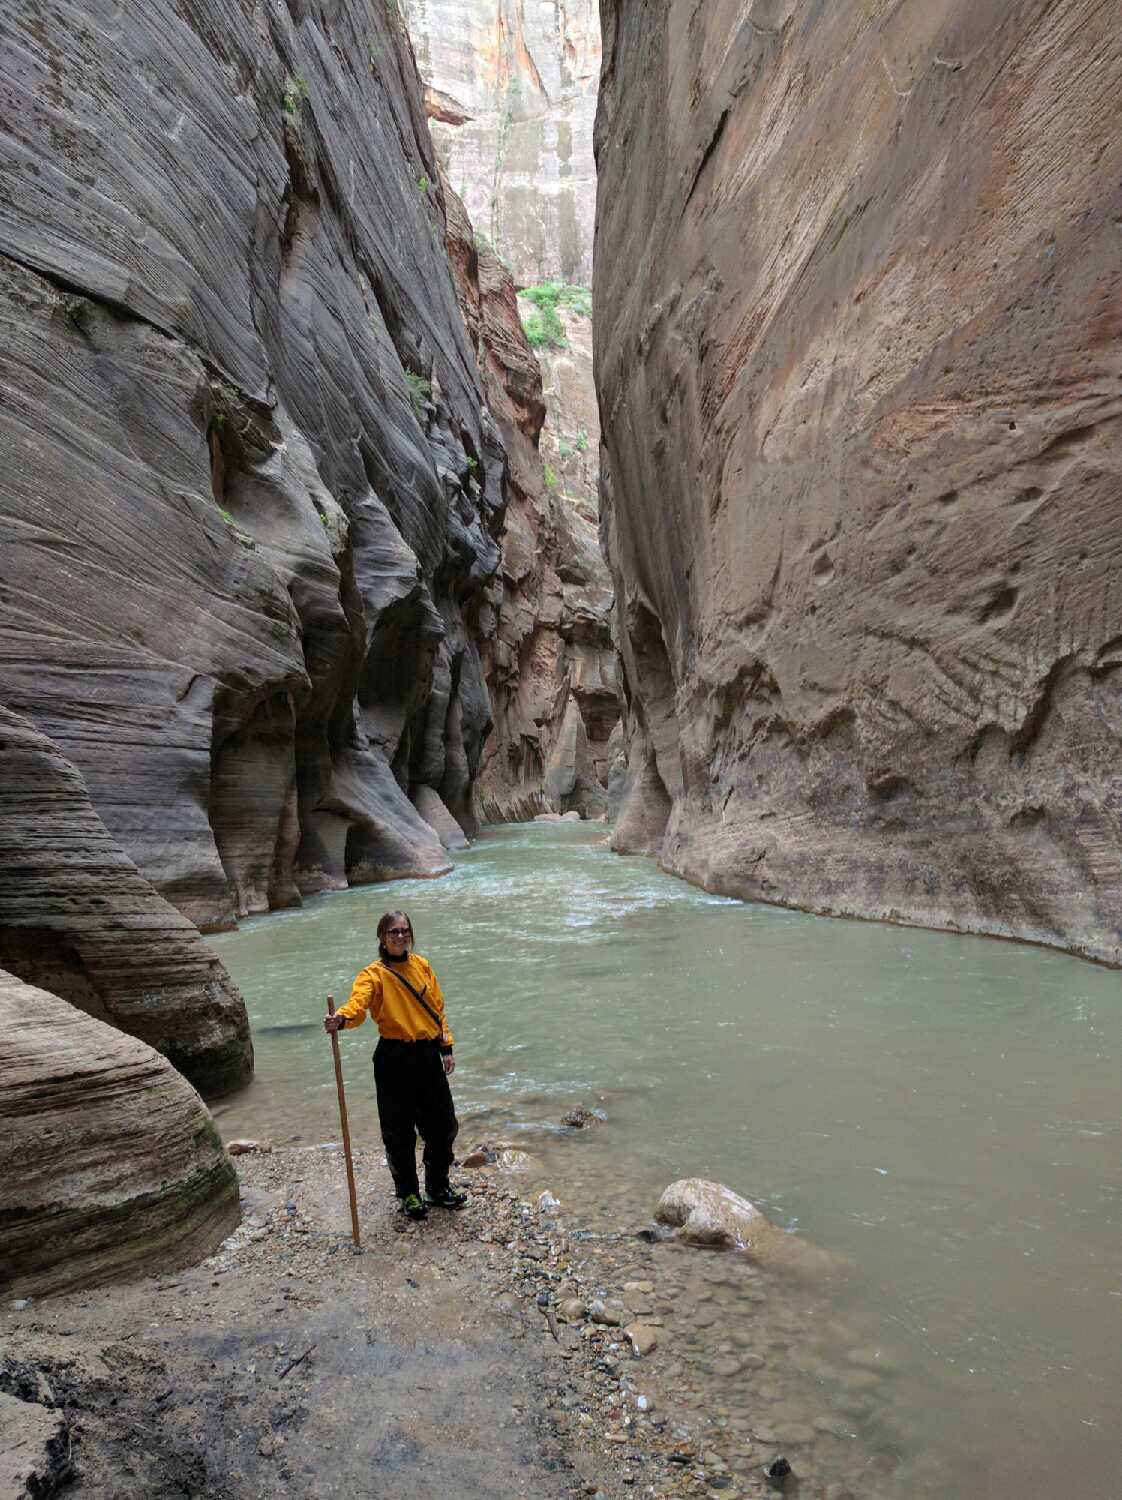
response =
{"points": [[549, 661], [109, 1161], [78, 918], [254, 498], [511, 94], [858, 316]]}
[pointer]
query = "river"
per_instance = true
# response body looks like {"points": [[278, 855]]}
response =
{"points": [[941, 1111]]}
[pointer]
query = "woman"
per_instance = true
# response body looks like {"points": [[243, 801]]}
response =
{"points": [[412, 1062]]}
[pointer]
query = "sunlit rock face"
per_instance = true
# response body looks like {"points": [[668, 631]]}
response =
{"points": [[110, 1164], [511, 96], [549, 661], [254, 495], [858, 319]]}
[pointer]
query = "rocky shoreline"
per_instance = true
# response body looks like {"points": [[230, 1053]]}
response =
{"points": [[506, 1350]]}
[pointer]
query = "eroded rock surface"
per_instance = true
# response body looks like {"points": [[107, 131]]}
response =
{"points": [[859, 373], [109, 1161], [511, 96], [78, 918], [254, 505], [548, 657]]}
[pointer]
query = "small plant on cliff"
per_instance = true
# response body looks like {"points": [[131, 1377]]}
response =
{"points": [[550, 477], [295, 92], [543, 329], [582, 442], [423, 186], [420, 389]]}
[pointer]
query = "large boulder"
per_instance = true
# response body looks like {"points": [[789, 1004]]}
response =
{"points": [[863, 451], [711, 1215], [110, 1163]]}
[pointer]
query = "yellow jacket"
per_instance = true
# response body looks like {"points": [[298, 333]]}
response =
{"points": [[396, 1013]]}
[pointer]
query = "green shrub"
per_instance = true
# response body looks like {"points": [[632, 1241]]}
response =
{"points": [[420, 389], [423, 186], [295, 92], [582, 442], [543, 329], [550, 477]]}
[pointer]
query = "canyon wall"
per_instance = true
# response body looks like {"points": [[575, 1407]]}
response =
{"points": [[511, 95], [256, 493], [858, 322], [549, 661]]}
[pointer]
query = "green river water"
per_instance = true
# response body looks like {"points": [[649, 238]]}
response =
{"points": [[941, 1111]]}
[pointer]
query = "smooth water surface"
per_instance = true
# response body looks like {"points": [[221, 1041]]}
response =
{"points": [[942, 1111]]}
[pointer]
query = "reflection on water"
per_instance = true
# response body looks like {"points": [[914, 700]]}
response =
{"points": [[943, 1112]]}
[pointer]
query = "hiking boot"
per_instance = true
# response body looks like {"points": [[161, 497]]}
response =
{"points": [[448, 1197], [413, 1207]]}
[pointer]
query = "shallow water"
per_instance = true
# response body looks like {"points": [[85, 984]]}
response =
{"points": [[942, 1111]]}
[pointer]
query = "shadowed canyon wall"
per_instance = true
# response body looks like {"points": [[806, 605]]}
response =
{"points": [[259, 494], [511, 94], [858, 320], [550, 663]]}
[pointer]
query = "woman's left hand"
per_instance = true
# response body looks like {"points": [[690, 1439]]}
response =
{"points": [[449, 1063]]}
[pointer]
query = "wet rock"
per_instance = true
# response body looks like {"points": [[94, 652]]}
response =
{"points": [[547, 1203], [605, 1313], [642, 1338], [727, 1367], [243, 1148], [517, 1161], [712, 1215], [582, 1119]]}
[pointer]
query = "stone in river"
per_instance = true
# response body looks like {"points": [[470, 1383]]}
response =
{"points": [[642, 1337], [606, 1313], [571, 1309], [710, 1214], [727, 1367]]}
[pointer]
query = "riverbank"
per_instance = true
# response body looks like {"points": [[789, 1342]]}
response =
{"points": [[435, 1361]]}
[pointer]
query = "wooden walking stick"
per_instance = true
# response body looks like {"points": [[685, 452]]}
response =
{"points": [[346, 1128]]}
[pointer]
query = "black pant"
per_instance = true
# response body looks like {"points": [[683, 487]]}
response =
{"points": [[413, 1095]]}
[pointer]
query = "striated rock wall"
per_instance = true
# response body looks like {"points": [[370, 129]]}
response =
{"points": [[78, 918], [858, 317], [109, 1161], [252, 507], [511, 94], [549, 660]]}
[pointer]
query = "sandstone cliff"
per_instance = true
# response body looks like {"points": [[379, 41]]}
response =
{"points": [[858, 314], [109, 1162], [511, 94], [254, 503], [549, 661], [78, 918]]}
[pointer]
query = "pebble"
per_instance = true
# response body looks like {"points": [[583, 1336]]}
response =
{"points": [[603, 1313], [726, 1368], [572, 1310], [642, 1337]]}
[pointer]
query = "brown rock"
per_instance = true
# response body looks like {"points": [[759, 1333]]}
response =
{"points": [[34, 1449], [642, 1338], [863, 461], [109, 1161], [550, 668]]}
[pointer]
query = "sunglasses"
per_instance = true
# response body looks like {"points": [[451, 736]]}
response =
{"points": [[398, 932]]}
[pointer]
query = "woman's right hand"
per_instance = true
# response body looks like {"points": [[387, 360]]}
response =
{"points": [[332, 1024]]}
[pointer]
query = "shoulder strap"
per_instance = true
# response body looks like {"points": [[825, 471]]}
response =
{"points": [[418, 995]]}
